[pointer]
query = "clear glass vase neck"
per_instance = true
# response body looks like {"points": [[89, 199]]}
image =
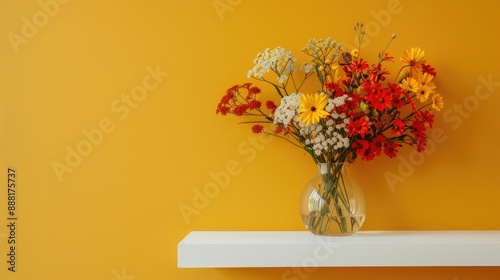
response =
{"points": [[332, 167]]}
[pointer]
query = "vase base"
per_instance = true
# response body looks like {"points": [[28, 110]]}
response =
{"points": [[333, 226]]}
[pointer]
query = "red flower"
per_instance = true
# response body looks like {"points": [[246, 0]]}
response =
{"points": [[223, 110], [368, 155], [271, 106], [348, 74], [381, 100], [335, 89], [279, 129], [393, 88], [330, 87], [254, 104], [236, 103], [362, 148], [371, 88], [418, 129], [426, 68], [398, 127], [397, 101], [358, 66], [240, 110], [391, 149], [395, 91], [358, 127], [257, 128], [350, 105], [359, 146], [224, 105], [421, 145], [427, 117], [246, 85], [377, 73], [254, 90], [377, 144], [233, 89]]}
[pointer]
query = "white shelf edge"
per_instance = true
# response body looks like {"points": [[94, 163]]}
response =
{"points": [[225, 249]]}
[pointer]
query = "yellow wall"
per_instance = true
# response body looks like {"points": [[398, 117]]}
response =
{"points": [[76, 76]]}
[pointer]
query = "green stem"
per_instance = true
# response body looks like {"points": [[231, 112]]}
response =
{"points": [[335, 196]]}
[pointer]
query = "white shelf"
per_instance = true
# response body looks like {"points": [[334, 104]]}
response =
{"points": [[204, 249]]}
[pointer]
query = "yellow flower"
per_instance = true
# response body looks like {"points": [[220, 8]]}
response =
{"points": [[437, 102], [423, 93], [426, 80], [335, 75], [414, 58], [355, 53], [410, 84], [312, 108]]}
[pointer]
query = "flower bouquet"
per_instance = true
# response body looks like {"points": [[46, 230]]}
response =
{"points": [[357, 111]]}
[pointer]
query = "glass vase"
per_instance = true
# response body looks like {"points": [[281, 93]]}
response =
{"points": [[332, 203]]}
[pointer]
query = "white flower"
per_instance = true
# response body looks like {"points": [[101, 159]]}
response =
{"points": [[339, 101], [279, 60], [288, 109], [346, 142], [315, 45], [335, 102], [307, 68]]}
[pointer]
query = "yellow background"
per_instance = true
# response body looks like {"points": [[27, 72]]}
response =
{"points": [[117, 214]]}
